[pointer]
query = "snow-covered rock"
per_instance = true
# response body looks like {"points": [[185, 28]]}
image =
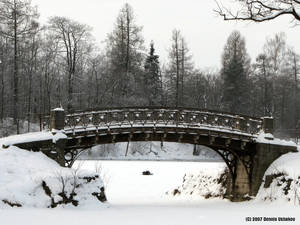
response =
{"points": [[31, 179]]}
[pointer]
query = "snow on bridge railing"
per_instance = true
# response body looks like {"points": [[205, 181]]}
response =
{"points": [[169, 117]]}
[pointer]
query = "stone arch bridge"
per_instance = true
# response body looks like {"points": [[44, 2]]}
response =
{"points": [[232, 136]]}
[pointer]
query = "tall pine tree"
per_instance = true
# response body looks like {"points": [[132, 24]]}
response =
{"points": [[125, 54], [234, 74], [152, 80]]}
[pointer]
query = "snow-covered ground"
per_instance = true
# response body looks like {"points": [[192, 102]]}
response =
{"points": [[134, 198], [208, 212]]}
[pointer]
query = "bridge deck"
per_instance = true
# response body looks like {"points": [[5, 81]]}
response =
{"points": [[148, 120]]}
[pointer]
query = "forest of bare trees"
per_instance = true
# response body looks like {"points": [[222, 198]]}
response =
{"points": [[60, 64]]}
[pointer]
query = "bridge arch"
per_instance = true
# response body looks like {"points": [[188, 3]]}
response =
{"points": [[231, 148], [232, 160]]}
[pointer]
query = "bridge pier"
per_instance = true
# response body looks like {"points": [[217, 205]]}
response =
{"points": [[240, 188], [245, 184], [57, 119], [57, 124], [60, 149], [265, 155]]}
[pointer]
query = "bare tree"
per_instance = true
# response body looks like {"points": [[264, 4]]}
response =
{"points": [[72, 36], [260, 10], [18, 20], [294, 60], [50, 66], [179, 67], [4, 67], [30, 61]]}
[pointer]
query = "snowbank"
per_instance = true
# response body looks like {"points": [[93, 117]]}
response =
{"points": [[282, 180], [31, 179]]}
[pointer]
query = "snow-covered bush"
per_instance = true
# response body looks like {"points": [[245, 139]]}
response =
{"points": [[202, 184], [280, 186], [31, 179]]}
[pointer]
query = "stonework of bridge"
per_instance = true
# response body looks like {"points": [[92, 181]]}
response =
{"points": [[233, 137]]}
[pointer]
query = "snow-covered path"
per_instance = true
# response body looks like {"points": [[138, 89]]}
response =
{"points": [[135, 199]]}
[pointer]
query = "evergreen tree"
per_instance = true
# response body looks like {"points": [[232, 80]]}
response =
{"points": [[152, 80], [234, 74], [124, 49]]}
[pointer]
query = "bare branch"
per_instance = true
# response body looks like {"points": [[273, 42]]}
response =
{"points": [[260, 10]]}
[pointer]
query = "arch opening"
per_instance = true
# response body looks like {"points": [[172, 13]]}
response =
{"points": [[167, 174]]}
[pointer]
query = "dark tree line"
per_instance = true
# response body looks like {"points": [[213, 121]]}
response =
{"points": [[59, 64]]}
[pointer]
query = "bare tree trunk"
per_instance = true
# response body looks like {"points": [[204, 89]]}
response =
{"points": [[97, 89], [265, 89], [2, 92], [29, 101], [296, 109], [16, 70], [182, 69], [282, 109], [177, 68], [127, 147], [128, 51], [2, 64], [32, 68], [70, 92]]}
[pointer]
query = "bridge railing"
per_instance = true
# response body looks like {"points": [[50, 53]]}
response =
{"points": [[131, 117]]}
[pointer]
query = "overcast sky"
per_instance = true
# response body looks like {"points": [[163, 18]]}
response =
{"points": [[205, 32]]}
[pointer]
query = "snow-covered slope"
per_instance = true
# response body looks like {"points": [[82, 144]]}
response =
{"points": [[31, 179]]}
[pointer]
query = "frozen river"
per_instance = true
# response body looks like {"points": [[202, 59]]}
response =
{"points": [[135, 199], [125, 183]]}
